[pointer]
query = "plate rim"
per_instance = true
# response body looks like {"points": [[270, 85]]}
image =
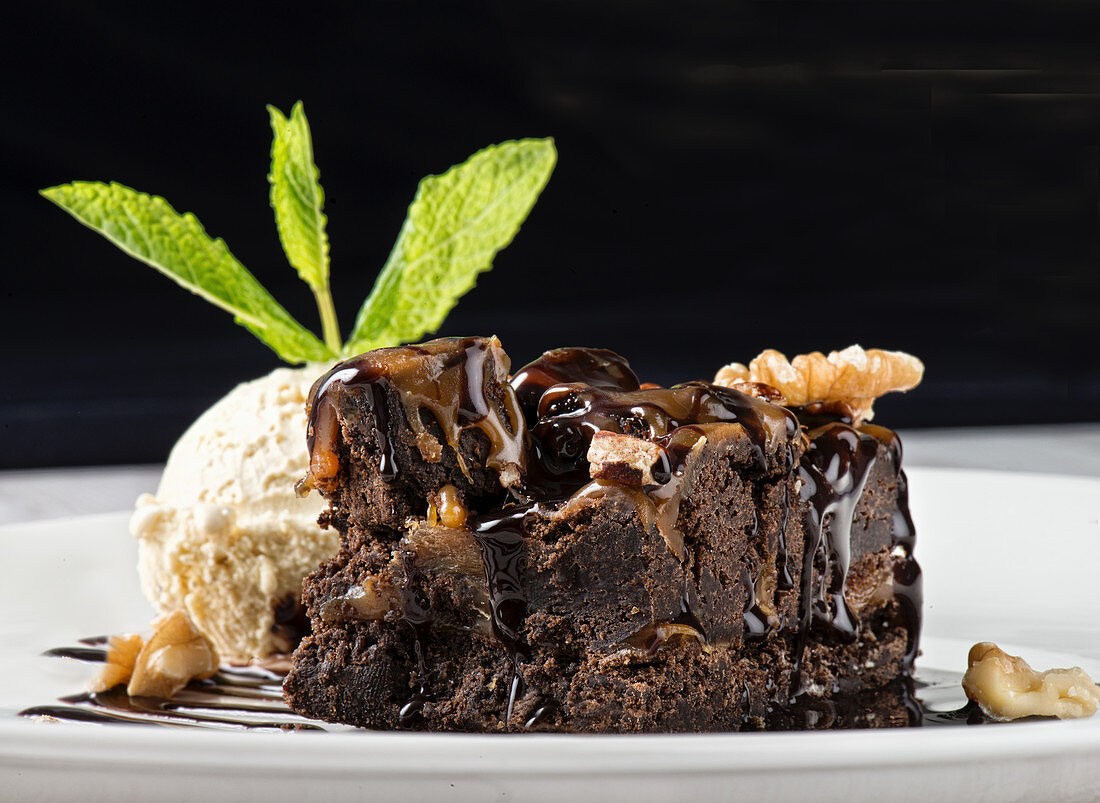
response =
{"points": [[23, 742]]}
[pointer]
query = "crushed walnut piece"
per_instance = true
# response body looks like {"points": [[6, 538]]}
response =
{"points": [[371, 599], [1005, 687], [122, 653], [623, 459], [174, 654], [161, 666], [760, 391], [853, 376]]}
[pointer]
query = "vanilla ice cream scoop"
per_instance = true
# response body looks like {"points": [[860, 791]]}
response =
{"points": [[225, 538]]}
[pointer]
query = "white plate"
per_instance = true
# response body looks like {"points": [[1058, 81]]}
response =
{"points": [[1007, 557]]}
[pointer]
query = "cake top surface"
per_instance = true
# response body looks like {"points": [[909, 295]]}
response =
{"points": [[540, 423], [460, 382]]}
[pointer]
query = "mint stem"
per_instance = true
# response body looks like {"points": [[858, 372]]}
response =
{"points": [[329, 327]]}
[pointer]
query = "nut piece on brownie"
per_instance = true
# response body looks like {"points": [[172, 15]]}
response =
{"points": [[623, 459]]}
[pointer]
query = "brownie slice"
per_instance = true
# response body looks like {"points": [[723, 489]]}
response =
{"points": [[575, 551], [391, 427]]}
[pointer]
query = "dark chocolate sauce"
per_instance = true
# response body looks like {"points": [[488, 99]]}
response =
{"points": [[417, 615], [833, 471], [758, 624], [91, 654], [236, 698], [908, 583], [570, 414], [599, 368], [544, 710], [503, 554], [500, 538], [937, 698], [785, 579]]}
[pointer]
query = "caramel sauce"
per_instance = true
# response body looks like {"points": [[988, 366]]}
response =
{"points": [[445, 378]]}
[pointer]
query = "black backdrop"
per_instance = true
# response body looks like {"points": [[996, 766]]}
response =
{"points": [[732, 176]]}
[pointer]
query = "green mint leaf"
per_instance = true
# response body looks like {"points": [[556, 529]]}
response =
{"points": [[148, 228], [297, 198], [456, 224]]}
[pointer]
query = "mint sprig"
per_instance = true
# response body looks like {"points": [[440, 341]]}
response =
{"points": [[456, 225], [298, 200], [148, 228]]}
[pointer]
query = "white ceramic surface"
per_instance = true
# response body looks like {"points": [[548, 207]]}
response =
{"points": [[1007, 557]]}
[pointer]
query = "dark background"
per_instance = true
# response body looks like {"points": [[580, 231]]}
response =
{"points": [[732, 176]]}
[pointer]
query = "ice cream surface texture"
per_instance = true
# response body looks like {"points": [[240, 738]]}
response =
{"points": [[225, 538]]}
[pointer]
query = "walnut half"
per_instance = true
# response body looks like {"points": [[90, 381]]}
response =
{"points": [[1005, 687], [852, 376]]}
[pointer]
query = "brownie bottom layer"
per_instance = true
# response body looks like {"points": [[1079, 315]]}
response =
{"points": [[364, 674]]}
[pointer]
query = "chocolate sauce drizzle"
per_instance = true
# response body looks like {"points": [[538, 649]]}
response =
{"points": [[570, 414], [833, 470], [500, 538], [416, 612], [758, 623], [236, 698], [598, 368], [908, 583], [785, 579], [90, 654]]}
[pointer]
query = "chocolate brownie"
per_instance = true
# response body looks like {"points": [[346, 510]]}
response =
{"points": [[573, 550]]}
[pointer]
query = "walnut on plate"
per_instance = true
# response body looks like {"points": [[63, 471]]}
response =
{"points": [[122, 653], [161, 666], [853, 376], [1005, 687], [175, 653]]}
